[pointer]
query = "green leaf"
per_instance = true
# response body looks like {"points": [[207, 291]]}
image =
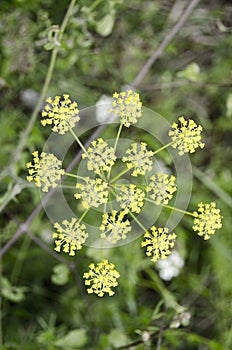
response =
{"points": [[117, 338], [191, 72], [12, 293], [229, 106], [49, 46], [156, 313], [105, 25], [60, 274], [73, 340]]}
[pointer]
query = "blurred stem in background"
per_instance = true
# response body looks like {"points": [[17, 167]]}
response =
{"points": [[46, 83], [9, 170]]}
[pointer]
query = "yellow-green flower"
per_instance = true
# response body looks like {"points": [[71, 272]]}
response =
{"points": [[93, 192], [114, 227], [71, 235], [207, 219], [161, 188], [139, 159], [101, 156], [130, 197], [101, 278], [158, 242], [61, 112], [186, 137], [127, 106], [46, 170]]}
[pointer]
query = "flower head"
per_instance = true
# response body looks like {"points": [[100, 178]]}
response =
{"points": [[71, 235], [101, 278], [138, 158], [100, 156], [158, 242], [61, 112], [130, 198], [186, 137], [161, 188], [46, 170], [207, 219], [113, 227], [127, 106], [93, 192]]}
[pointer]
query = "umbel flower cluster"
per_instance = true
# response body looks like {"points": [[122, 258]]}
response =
{"points": [[105, 186]]}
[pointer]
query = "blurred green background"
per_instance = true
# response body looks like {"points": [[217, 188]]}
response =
{"points": [[104, 46]]}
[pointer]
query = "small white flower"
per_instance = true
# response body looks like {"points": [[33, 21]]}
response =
{"points": [[102, 110], [170, 267]]}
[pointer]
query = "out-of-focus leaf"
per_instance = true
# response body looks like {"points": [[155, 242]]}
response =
{"points": [[105, 25], [191, 72], [73, 340], [49, 46], [229, 106], [12, 293], [60, 274], [193, 339], [117, 338]]}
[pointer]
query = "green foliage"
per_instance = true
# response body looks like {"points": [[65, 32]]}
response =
{"points": [[73, 340], [105, 44], [12, 293], [60, 274]]}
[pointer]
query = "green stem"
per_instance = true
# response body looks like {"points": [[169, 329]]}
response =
{"points": [[24, 137], [47, 81], [115, 145], [179, 210], [119, 185], [66, 187], [66, 17], [172, 208], [117, 137], [138, 222], [112, 190], [84, 150], [155, 283], [120, 174], [16, 155], [73, 175], [110, 200], [162, 148], [95, 4], [83, 215], [78, 141]]}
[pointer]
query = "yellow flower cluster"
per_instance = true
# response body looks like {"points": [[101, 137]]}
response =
{"points": [[100, 188], [161, 187], [93, 192], [46, 170], [101, 278], [158, 242], [139, 159], [113, 227], [127, 106], [207, 219], [71, 235], [100, 156], [186, 137], [61, 112], [130, 197]]}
